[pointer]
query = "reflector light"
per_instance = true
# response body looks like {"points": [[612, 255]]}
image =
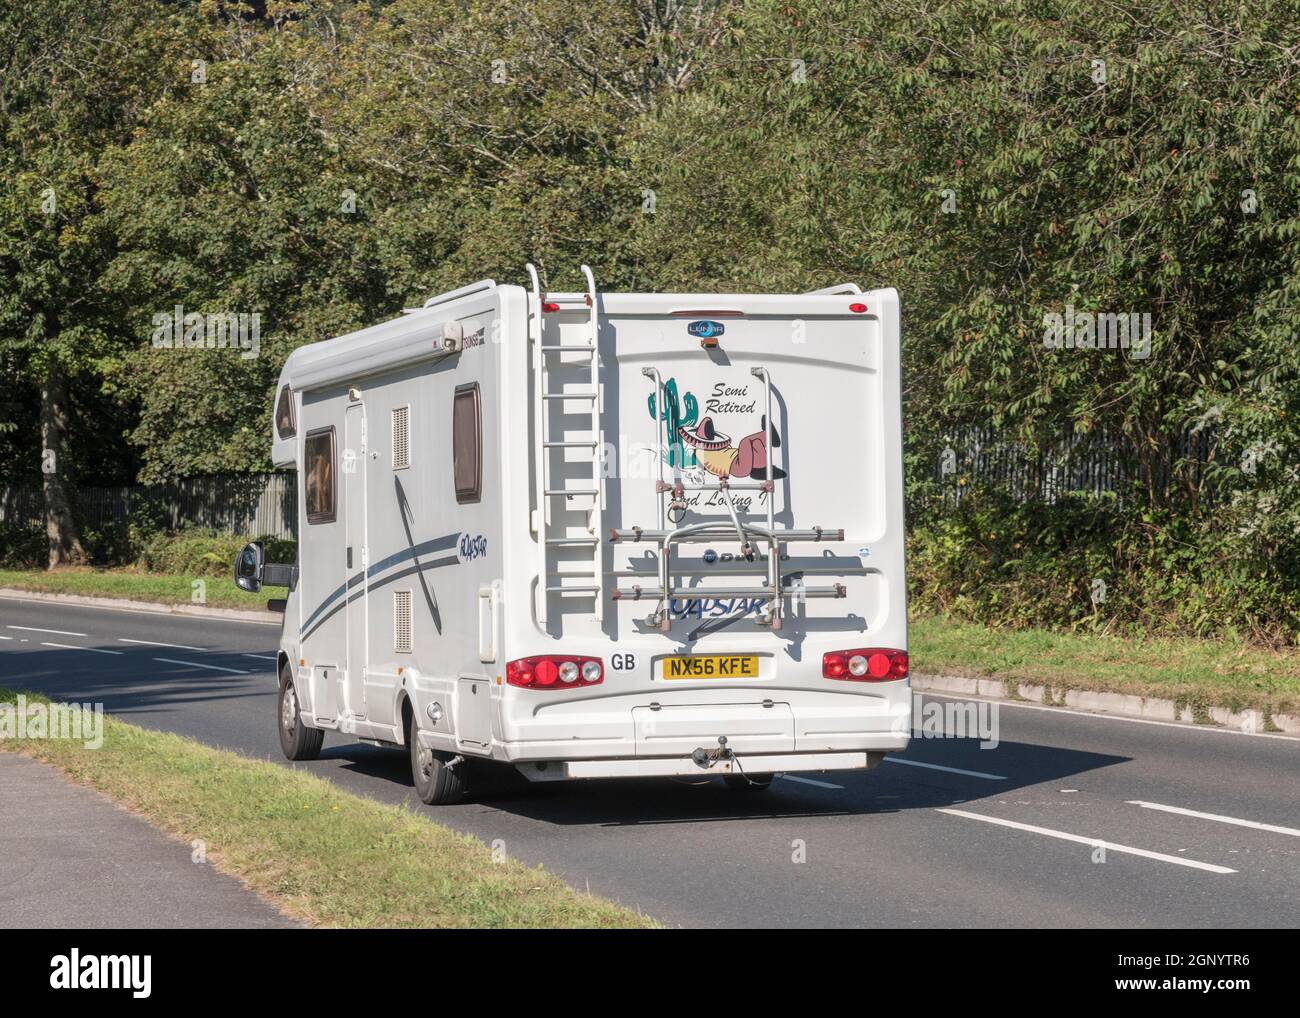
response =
{"points": [[866, 665], [549, 306], [857, 309], [555, 671]]}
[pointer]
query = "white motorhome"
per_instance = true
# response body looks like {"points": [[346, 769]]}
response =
{"points": [[599, 535]]}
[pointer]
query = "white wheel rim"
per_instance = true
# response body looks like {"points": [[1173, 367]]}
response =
{"points": [[289, 709]]}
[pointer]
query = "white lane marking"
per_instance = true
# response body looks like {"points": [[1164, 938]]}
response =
{"points": [[1254, 824], [155, 643], [6, 637], [1079, 713], [195, 664], [93, 650], [810, 781], [258, 657], [55, 632], [1079, 839], [950, 770]]}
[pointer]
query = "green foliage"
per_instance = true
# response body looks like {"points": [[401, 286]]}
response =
{"points": [[21, 546], [996, 162], [1099, 566], [191, 552], [202, 553]]}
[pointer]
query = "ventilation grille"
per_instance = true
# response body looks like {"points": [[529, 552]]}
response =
{"points": [[402, 621], [401, 437]]}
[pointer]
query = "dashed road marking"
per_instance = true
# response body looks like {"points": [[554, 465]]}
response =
{"points": [[1079, 839], [156, 643], [196, 664], [811, 781], [54, 632], [951, 770], [1253, 824], [92, 650]]}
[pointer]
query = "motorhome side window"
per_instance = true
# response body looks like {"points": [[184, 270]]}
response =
{"points": [[318, 459], [467, 443], [285, 424]]}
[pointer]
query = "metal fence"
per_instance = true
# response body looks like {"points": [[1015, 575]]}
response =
{"points": [[1093, 464], [248, 505]]}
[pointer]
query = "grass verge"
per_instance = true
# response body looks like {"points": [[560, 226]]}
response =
{"points": [[1197, 673], [219, 591], [318, 852]]}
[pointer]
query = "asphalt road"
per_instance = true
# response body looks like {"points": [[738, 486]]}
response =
{"points": [[950, 835]]}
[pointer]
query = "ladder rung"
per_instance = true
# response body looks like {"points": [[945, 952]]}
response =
{"points": [[586, 443], [571, 491], [573, 540], [572, 590], [637, 593], [569, 348], [569, 395], [723, 529]]}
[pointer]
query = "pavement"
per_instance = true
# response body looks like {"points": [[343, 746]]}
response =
{"points": [[1072, 820], [72, 859]]}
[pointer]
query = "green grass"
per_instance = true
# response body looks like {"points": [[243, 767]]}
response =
{"points": [[1199, 673], [220, 591], [322, 854]]}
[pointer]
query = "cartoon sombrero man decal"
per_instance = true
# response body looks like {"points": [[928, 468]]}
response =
{"points": [[716, 454]]}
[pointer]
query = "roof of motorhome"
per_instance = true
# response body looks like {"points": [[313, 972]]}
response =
{"points": [[415, 335]]}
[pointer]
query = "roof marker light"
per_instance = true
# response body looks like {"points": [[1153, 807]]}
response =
{"points": [[858, 308]]}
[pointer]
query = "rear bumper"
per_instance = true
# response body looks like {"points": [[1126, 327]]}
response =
{"points": [[662, 729], [686, 767]]}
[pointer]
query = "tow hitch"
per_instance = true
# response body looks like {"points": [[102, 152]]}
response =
{"points": [[706, 758]]}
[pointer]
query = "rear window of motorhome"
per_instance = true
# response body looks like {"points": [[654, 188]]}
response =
{"points": [[467, 443], [285, 425], [318, 457]]}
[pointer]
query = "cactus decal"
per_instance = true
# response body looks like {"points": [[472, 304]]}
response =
{"points": [[679, 455]]}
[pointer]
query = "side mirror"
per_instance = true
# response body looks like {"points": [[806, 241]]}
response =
{"points": [[248, 568]]}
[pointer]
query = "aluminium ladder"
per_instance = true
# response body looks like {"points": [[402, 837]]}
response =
{"points": [[550, 534]]}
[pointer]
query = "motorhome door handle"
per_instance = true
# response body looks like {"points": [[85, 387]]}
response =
{"points": [[349, 556]]}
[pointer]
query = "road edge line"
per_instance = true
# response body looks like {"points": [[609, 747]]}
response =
{"points": [[265, 618]]}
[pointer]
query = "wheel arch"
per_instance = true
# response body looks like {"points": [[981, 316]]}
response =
{"points": [[405, 712]]}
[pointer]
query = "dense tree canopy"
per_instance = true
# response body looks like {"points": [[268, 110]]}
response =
{"points": [[1000, 162]]}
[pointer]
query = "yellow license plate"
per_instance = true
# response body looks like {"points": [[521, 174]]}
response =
{"points": [[711, 666]]}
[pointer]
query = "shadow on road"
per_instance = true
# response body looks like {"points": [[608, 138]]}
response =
{"points": [[132, 682], [889, 788]]}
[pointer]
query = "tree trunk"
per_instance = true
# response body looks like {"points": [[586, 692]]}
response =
{"points": [[60, 528]]}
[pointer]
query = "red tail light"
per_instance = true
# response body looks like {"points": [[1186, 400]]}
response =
{"points": [[858, 308], [555, 671], [550, 306], [872, 664]]}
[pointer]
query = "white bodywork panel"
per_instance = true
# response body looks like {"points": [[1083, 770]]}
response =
{"points": [[472, 577]]}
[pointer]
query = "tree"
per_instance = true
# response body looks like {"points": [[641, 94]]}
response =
{"points": [[73, 79]]}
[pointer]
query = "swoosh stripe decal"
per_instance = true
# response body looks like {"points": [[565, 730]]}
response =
{"points": [[425, 548]]}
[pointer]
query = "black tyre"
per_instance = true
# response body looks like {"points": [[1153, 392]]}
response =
{"points": [[297, 740], [748, 782], [436, 783]]}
